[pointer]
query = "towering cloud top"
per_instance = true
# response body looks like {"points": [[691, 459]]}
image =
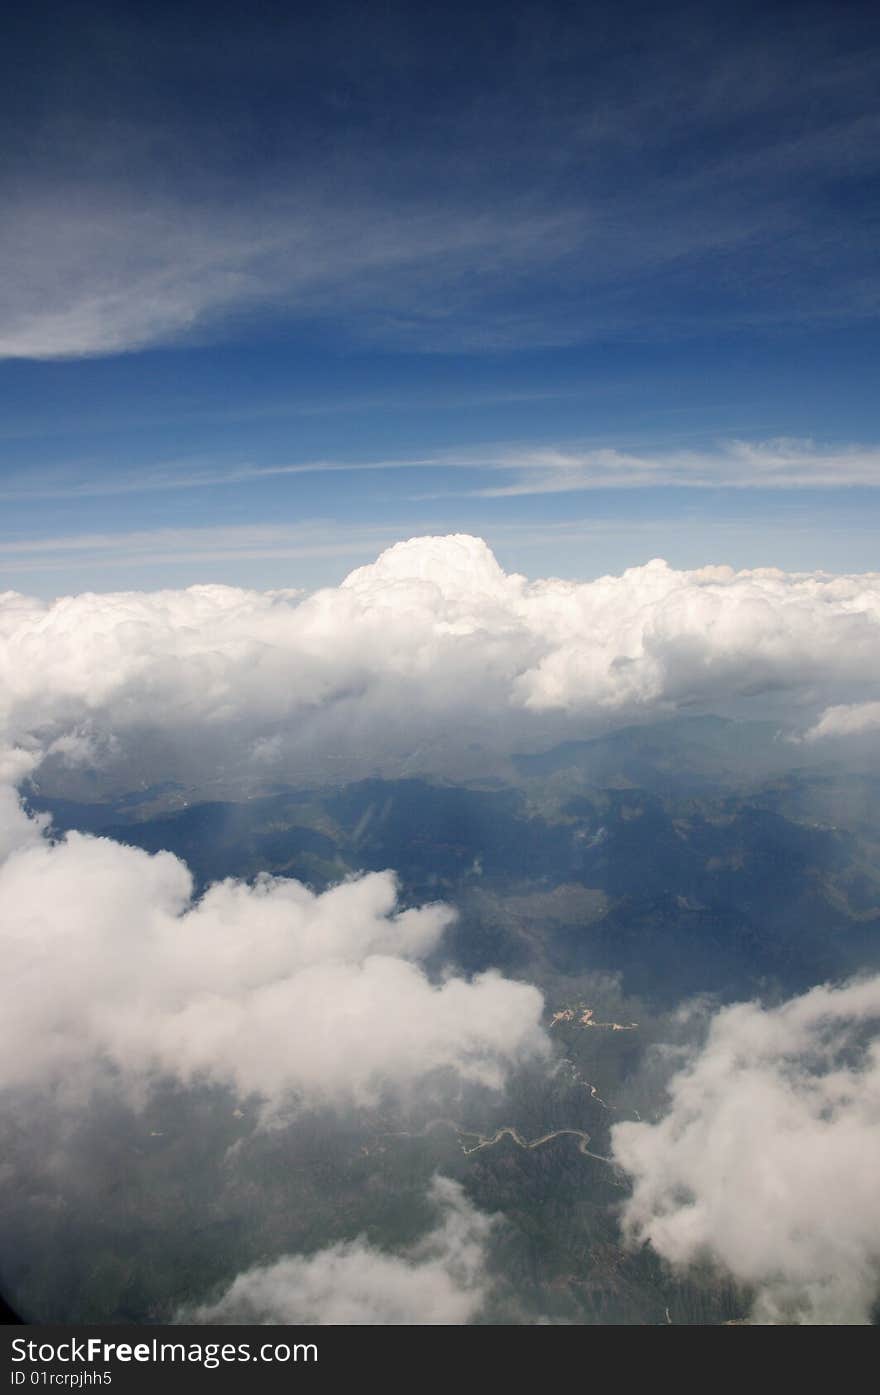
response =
{"points": [[463, 569]]}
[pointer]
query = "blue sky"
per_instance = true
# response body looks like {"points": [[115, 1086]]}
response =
{"points": [[283, 284]]}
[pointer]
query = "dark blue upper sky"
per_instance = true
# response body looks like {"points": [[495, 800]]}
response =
{"points": [[283, 283]]}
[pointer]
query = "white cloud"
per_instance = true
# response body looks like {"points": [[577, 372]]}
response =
{"points": [[268, 987], [17, 829], [767, 1158], [846, 719], [440, 1280], [433, 642]]}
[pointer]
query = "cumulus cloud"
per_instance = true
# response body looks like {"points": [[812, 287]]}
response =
{"points": [[109, 962], [17, 829], [767, 1158], [439, 1280], [846, 719], [433, 638]]}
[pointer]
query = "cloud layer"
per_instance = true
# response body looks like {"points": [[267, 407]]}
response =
{"points": [[767, 1158], [440, 1280], [267, 987], [433, 642]]}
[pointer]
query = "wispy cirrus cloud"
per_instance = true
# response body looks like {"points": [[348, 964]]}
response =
{"points": [[109, 270], [779, 464], [412, 188], [184, 474], [157, 546]]}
